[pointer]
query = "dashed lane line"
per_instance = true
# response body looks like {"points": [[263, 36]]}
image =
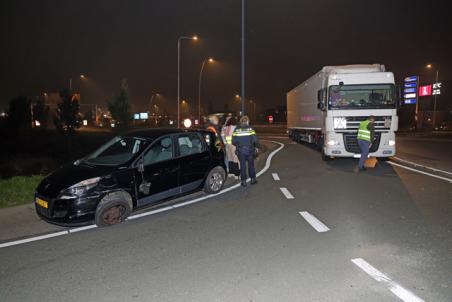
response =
{"points": [[314, 222], [286, 193], [276, 177], [395, 288]]}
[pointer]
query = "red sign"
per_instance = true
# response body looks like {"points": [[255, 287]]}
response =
{"points": [[270, 119], [425, 90]]}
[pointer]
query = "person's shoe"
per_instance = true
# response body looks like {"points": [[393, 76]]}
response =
{"points": [[243, 183], [253, 181], [362, 169]]}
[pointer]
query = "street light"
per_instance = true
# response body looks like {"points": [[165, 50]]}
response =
{"points": [[70, 81], [430, 66], [194, 38], [210, 60]]}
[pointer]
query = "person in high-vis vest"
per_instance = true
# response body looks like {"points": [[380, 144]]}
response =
{"points": [[366, 132], [245, 139], [232, 161]]}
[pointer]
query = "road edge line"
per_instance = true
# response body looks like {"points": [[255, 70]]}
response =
{"points": [[421, 172]]}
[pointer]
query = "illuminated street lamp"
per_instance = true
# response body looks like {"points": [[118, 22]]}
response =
{"points": [[210, 60], [194, 38], [70, 80], [430, 66]]}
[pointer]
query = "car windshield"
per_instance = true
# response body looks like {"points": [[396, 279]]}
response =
{"points": [[381, 96], [117, 151]]}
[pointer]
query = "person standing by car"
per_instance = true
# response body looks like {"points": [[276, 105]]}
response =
{"points": [[213, 126], [245, 139], [232, 160], [366, 133]]}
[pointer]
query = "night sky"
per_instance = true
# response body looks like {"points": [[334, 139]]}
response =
{"points": [[44, 43]]}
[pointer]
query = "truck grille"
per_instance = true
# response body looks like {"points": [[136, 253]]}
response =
{"points": [[352, 146], [353, 123]]}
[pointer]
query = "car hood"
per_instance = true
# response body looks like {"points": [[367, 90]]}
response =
{"points": [[71, 174]]}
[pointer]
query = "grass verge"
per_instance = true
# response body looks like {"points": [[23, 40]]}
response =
{"points": [[18, 190]]}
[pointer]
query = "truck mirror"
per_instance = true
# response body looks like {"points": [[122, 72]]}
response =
{"points": [[399, 99], [320, 96], [321, 99]]}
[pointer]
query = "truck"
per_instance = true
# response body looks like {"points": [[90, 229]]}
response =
{"points": [[326, 110]]}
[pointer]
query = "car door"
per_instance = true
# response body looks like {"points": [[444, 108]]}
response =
{"points": [[194, 160], [159, 179]]}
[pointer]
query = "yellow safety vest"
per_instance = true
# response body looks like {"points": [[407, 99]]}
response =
{"points": [[363, 132]]}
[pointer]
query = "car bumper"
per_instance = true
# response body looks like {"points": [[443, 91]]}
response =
{"points": [[71, 212]]}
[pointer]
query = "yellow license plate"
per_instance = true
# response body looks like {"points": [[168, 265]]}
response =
{"points": [[42, 203]]}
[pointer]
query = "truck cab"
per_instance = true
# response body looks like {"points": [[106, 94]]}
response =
{"points": [[350, 98]]}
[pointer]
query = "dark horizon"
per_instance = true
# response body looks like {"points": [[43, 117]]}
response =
{"points": [[46, 43]]}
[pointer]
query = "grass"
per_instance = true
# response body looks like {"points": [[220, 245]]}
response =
{"points": [[18, 190]]}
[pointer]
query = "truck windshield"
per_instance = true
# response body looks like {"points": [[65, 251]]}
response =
{"points": [[116, 152], [376, 96]]}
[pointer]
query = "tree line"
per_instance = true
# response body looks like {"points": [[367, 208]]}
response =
{"points": [[23, 112]]}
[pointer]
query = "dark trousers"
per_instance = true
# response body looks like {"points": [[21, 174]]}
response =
{"points": [[244, 158], [364, 146]]}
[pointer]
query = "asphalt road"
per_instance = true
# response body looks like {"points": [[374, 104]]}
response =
{"points": [[253, 245]]}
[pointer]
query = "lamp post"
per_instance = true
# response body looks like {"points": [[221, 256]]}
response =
{"points": [[70, 81], [178, 73], [429, 66], [210, 60]]}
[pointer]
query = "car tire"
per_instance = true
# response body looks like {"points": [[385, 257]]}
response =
{"points": [[113, 209], [215, 180], [383, 158]]}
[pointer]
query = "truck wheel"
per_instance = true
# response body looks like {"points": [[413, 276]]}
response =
{"points": [[113, 209], [215, 180]]}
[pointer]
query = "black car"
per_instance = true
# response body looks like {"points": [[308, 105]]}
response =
{"points": [[129, 172]]}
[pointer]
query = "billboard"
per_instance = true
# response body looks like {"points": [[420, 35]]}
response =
{"points": [[425, 90]]}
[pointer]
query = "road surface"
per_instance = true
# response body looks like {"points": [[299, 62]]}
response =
{"points": [[308, 231]]}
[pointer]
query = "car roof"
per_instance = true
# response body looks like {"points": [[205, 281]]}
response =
{"points": [[153, 133]]}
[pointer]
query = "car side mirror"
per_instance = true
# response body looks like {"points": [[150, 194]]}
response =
{"points": [[321, 99], [140, 165]]}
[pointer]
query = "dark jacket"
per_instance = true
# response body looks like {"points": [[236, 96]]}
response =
{"points": [[244, 138]]}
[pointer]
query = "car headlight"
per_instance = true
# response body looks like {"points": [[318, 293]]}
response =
{"points": [[391, 142], [332, 142], [80, 188], [340, 123]]}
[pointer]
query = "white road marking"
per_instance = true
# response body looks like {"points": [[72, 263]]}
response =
{"points": [[84, 228], [421, 172], [74, 230], [286, 193], [36, 238], [396, 289], [275, 177], [314, 222], [422, 166]]}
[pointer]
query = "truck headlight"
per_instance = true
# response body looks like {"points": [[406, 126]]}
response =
{"points": [[332, 142], [391, 142], [340, 123]]}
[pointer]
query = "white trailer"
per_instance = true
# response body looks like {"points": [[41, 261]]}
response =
{"points": [[327, 108]]}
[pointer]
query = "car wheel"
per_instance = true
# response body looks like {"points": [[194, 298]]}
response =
{"points": [[215, 180], [383, 158], [111, 210]]}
